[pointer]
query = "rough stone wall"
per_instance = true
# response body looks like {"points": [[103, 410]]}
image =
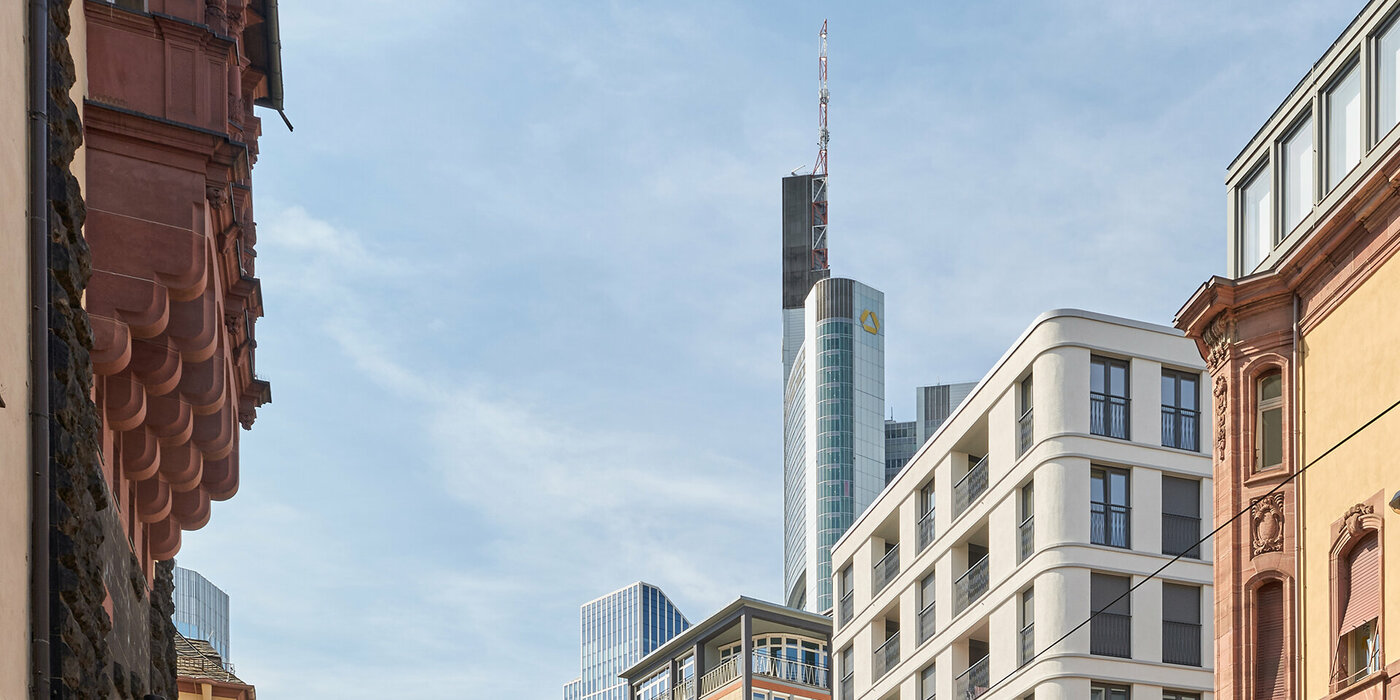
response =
{"points": [[91, 658]]}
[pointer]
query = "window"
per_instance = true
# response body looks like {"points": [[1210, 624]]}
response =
{"points": [[926, 599], [1359, 600], [1098, 691], [1297, 170], [1111, 628], [844, 588], [1387, 78], [1024, 430], [1343, 103], [1256, 219], [1181, 624], [848, 674], [927, 683], [1174, 695], [1181, 417], [1268, 440], [1181, 517], [1269, 674], [1108, 507], [1108, 397], [1027, 625], [926, 530], [1027, 526]]}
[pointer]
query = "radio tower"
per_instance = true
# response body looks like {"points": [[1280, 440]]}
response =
{"points": [[819, 206]]}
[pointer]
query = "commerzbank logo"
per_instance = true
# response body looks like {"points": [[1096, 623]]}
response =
{"points": [[870, 322]]}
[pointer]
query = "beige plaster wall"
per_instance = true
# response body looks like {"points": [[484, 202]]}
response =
{"points": [[14, 353], [1351, 372]]}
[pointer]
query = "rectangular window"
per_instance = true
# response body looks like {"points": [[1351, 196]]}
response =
{"points": [[1027, 526], [1269, 422], [1387, 78], [844, 589], [927, 683], [1181, 517], [1174, 695], [926, 529], [848, 675], [1256, 219], [1099, 691], [1108, 507], [1108, 397], [1343, 125], [1111, 628], [1180, 410], [1181, 624], [926, 600], [1297, 170], [1027, 625], [1025, 436]]}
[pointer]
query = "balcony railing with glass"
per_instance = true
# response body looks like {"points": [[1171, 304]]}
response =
{"points": [[1108, 524], [1025, 435], [926, 625], [1108, 415], [1180, 535], [974, 682], [972, 485], [1179, 428], [1027, 643], [885, 570], [847, 610], [886, 657], [684, 691], [1027, 539], [926, 531], [971, 585], [721, 675], [1181, 643], [1110, 634], [791, 671]]}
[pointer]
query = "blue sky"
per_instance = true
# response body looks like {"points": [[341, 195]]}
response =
{"points": [[521, 269]]}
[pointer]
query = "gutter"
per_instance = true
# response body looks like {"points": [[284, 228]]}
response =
{"points": [[40, 656]]}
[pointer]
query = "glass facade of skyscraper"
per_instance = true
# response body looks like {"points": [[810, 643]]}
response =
{"points": [[617, 630], [201, 610], [901, 442]]}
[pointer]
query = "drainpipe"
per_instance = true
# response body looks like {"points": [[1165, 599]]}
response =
{"points": [[39, 558], [1298, 491]]}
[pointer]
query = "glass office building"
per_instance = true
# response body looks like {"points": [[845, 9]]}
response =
{"points": [[616, 631], [201, 610], [834, 432], [901, 442]]}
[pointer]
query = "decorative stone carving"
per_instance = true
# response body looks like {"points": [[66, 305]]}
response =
{"points": [[1351, 522], [1221, 393], [215, 195], [1266, 524], [1219, 336], [215, 16]]}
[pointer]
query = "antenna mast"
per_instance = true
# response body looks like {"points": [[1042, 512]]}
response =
{"points": [[819, 205]]}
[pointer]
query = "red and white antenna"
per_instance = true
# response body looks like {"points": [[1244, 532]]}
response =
{"points": [[819, 206]]}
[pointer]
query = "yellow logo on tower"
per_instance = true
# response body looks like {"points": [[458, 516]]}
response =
{"points": [[870, 322]]}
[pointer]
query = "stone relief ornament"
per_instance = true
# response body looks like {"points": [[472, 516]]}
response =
{"points": [[1266, 524], [1221, 393], [1218, 337], [1351, 522]]}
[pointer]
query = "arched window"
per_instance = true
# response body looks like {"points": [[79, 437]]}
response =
{"points": [[1359, 605], [1268, 422], [1270, 673]]}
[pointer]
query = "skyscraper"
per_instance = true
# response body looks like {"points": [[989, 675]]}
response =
{"points": [[201, 610], [933, 406], [617, 630], [833, 438]]}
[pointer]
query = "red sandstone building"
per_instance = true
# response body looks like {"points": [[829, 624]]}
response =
{"points": [[1302, 339]]}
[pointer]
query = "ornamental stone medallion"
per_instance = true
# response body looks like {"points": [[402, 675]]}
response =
{"points": [[1266, 524]]}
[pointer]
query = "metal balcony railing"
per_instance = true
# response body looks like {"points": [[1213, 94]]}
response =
{"points": [[1027, 643], [1108, 524], [721, 675], [885, 570], [971, 585], [1110, 634], [1108, 415], [791, 671], [972, 485], [926, 624], [1025, 436], [926, 530], [973, 682], [847, 610], [1179, 428], [1180, 535], [1027, 539], [684, 691], [1181, 643], [886, 657]]}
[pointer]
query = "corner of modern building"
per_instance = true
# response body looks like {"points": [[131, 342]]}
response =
{"points": [[201, 610], [616, 631], [1091, 422]]}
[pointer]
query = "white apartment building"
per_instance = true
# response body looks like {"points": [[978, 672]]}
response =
{"points": [[1072, 472]]}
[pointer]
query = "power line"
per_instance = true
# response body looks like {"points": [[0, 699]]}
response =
{"points": [[1199, 542]]}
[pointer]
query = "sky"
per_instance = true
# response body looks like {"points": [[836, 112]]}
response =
{"points": [[521, 271]]}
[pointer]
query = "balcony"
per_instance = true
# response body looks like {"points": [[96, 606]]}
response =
{"points": [[926, 530], [684, 691], [974, 682], [847, 609], [1108, 415], [1108, 524], [791, 671], [1179, 428], [926, 624], [1181, 535], [885, 570], [1181, 643], [971, 585], [1027, 643], [1025, 436], [721, 676], [972, 485], [886, 657], [1027, 539], [1110, 634]]}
